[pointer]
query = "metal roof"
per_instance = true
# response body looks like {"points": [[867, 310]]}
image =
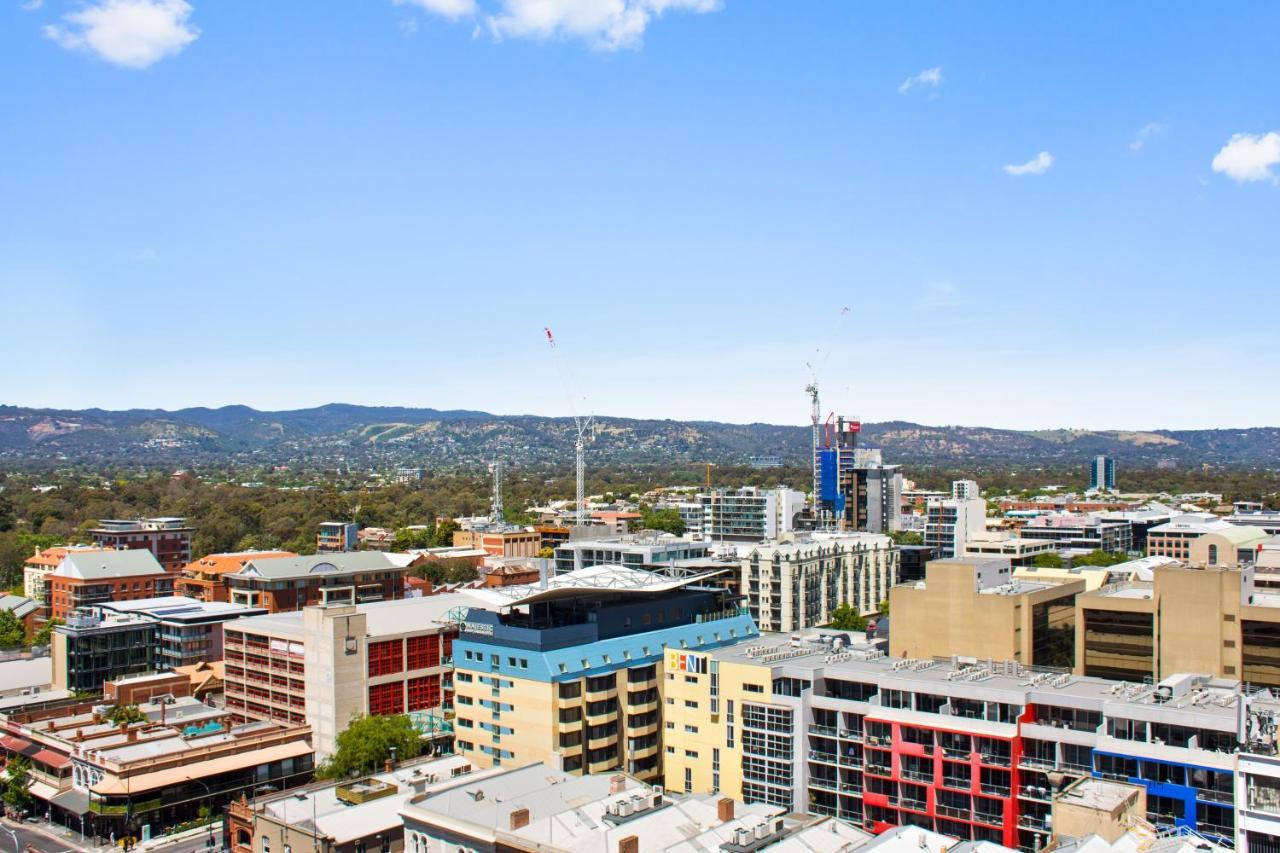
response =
{"points": [[596, 579], [98, 565], [317, 564]]}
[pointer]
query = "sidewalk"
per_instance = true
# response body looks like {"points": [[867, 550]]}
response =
{"points": [[198, 834], [55, 833]]}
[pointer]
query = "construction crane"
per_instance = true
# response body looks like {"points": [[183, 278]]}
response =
{"points": [[816, 416], [586, 431], [709, 465]]}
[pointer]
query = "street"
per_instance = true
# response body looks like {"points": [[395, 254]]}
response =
{"points": [[57, 839]]}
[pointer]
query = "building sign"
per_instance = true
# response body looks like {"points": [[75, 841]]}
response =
{"points": [[679, 661], [482, 628]]}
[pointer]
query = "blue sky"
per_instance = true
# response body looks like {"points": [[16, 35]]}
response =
{"points": [[1038, 215]]}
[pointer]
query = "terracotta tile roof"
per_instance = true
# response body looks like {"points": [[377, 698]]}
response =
{"points": [[52, 556], [221, 564]]}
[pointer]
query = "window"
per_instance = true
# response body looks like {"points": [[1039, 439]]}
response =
{"points": [[689, 703], [424, 652], [424, 692], [386, 699], [266, 844], [753, 688], [386, 657], [1213, 555]]}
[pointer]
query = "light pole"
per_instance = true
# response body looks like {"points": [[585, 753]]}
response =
{"points": [[14, 836]]}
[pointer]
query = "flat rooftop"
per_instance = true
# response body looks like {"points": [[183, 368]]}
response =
{"points": [[384, 618], [1213, 700], [1100, 794]]}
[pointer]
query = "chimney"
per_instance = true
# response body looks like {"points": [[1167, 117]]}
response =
{"points": [[388, 765], [630, 844], [519, 819], [97, 718], [724, 809], [133, 735], [617, 784]]}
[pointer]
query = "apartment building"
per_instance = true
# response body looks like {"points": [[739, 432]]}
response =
{"points": [[797, 584], [652, 553], [1102, 474], [337, 537], [975, 751], [566, 670], [1017, 550], [749, 514], [87, 578], [168, 539], [91, 648], [1210, 619], [41, 564], [975, 608], [950, 523], [206, 578], [327, 663], [291, 583]]}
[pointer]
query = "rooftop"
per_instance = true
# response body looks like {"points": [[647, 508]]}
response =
{"points": [[24, 673], [595, 579], [1101, 794], [383, 618], [103, 565], [233, 561], [348, 562], [180, 608]]}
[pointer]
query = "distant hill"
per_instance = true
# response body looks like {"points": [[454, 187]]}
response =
{"points": [[369, 435]]}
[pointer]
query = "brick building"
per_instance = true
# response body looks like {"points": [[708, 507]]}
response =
{"points": [[85, 578], [169, 539], [281, 584]]}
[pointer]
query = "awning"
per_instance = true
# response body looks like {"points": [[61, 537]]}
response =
{"points": [[76, 802], [144, 782], [49, 758], [42, 791]]}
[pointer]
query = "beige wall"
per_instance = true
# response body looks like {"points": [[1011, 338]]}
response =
{"points": [[948, 616]]}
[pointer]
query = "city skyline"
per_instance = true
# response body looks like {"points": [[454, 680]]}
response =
{"points": [[385, 204]]}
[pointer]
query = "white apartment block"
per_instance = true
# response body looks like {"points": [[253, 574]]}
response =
{"points": [[950, 523], [795, 585], [749, 514]]}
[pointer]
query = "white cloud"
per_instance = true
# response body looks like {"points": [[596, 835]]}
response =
{"points": [[131, 33], [1246, 157], [1037, 165], [604, 24], [1146, 133], [451, 9], [928, 77], [32, 5]]}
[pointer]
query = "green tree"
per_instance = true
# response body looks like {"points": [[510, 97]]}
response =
{"points": [[406, 539], [884, 607], [120, 715], [12, 632], [546, 552], [367, 743], [1049, 560], [845, 618], [443, 535], [17, 783], [44, 636], [906, 537], [1099, 557], [667, 520]]}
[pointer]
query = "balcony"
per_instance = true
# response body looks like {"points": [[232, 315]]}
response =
{"points": [[825, 784], [1215, 796], [1033, 763], [956, 783], [917, 776], [989, 819], [825, 731], [1030, 821], [952, 811], [915, 806], [994, 760], [877, 770], [995, 790], [958, 754], [824, 757], [851, 734]]}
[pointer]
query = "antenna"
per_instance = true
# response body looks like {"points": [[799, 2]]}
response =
{"points": [[586, 431], [495, 511]]}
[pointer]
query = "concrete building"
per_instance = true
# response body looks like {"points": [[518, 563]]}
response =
{"points": [[168, 539], [206, 578], [291, 583], [797, 584], [749, 514], [567, 671], [326, 664], [341, 816], [951, 522], [1186, 619], [974, 608], [503, 541], [971, 750], [337, 537], [86, 578], [1015, 549], [652, 553], [539, 808], [1174, 538], [912, 560], [1140, 521]]}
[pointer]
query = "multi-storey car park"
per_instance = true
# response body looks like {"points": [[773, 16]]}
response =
{"points": [[972, 750]]}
